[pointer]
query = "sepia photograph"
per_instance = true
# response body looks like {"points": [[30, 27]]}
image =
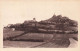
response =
{"points": [[40, 23]]}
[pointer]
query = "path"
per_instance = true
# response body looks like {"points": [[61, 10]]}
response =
{"points": [[73, 43]]}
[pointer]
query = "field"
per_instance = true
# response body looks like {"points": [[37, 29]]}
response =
{"points": [[9, 33], [34, 39], [20, 44]]}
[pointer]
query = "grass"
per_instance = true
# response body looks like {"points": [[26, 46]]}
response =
{"points": [[33, 39], [35, 36], [9, 33], [19, 44]]}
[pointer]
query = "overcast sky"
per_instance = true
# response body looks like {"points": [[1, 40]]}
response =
{"points": [[17, 11]]}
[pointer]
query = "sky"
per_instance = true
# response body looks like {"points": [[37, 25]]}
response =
{"points": [[17, 11]]}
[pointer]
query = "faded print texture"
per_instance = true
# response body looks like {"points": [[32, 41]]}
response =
{"points": [[40, 24]]}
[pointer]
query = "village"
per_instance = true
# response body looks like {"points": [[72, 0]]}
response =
{"points": [[55, 32]]}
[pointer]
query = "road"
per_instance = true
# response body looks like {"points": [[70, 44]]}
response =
{"points": [[73, 43]]}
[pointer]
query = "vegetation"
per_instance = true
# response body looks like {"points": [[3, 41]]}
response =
{"points": [[54, 23], [55, 31]]}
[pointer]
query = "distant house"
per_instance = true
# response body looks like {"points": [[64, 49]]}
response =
{"points": [[13, 29], [9, 25], [30, 21]]}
